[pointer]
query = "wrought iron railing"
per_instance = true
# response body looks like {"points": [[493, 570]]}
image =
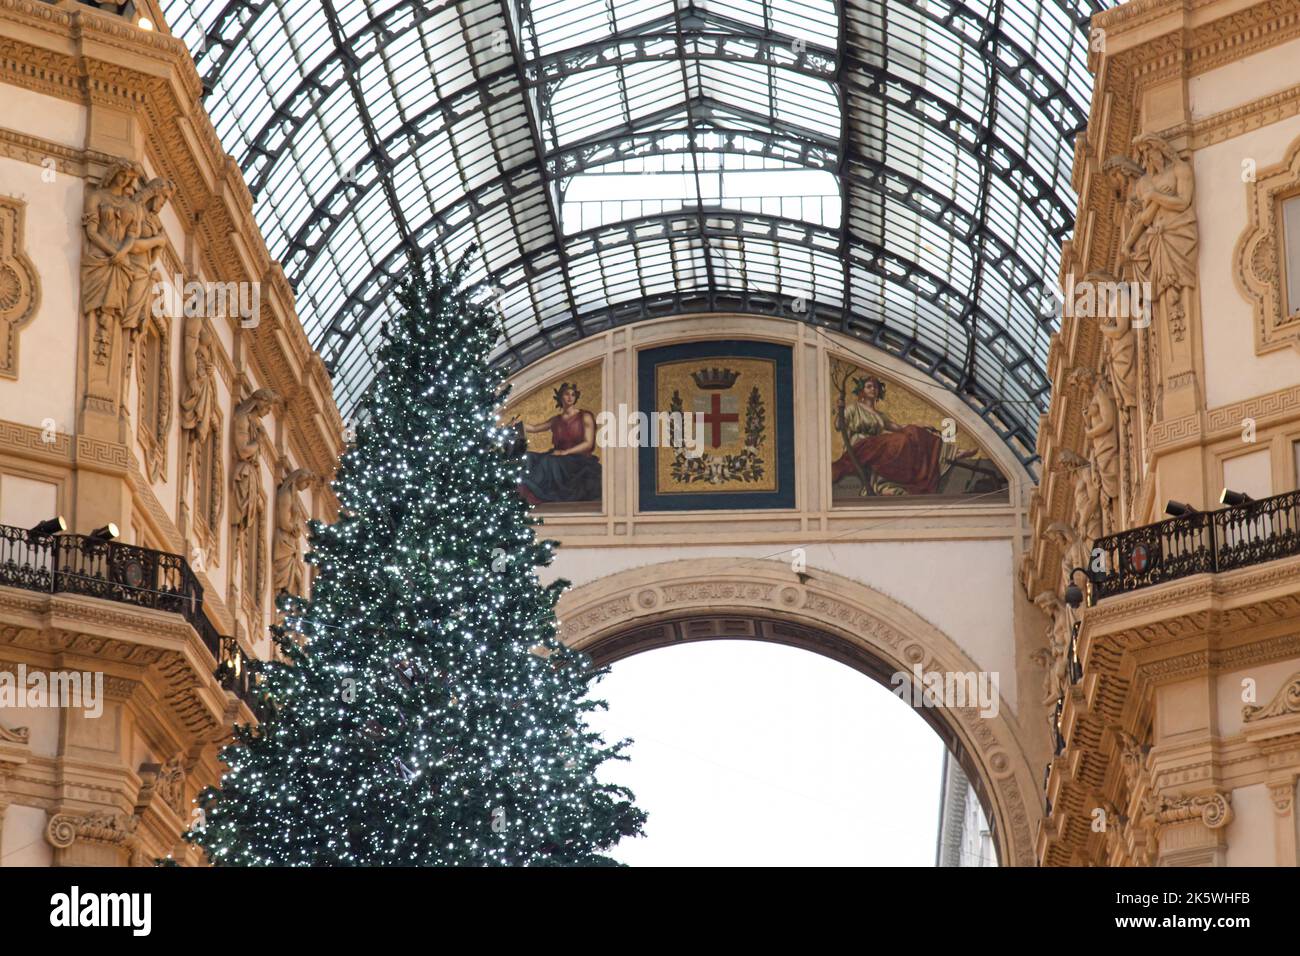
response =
{"points": [[1201, 542], [126, 574], [82, 564]]}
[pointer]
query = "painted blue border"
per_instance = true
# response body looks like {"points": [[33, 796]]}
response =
{"points": [[719, 351]]}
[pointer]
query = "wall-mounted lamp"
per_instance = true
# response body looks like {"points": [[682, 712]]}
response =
{"points": [[1234, 498], [1074, 593], [1176, 509], [107, 533], [49, 527]]}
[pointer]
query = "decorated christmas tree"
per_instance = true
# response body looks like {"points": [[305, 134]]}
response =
{"points": [[426, 713]]}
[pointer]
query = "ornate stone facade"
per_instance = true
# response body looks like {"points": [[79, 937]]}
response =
{"points": [[1180, 165], [120, 405]]}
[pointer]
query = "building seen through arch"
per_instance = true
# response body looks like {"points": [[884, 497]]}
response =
{"points": [[951, 341]]}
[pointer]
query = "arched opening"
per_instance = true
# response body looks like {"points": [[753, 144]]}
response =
{"points": [[662, 605], [758, 753], [694, 628]]}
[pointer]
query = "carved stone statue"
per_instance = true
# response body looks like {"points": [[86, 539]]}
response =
{"points": [[198, 407], [1073, 548], [110, 225], [1102, 432], [290, 528], [1161, 237], [199, 385], [150, 238], [1055, 658], [1121, 348], [1087, 496], [246, 435]]}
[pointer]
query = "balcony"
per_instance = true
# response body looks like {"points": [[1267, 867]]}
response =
{"points": [[1202, 542], [123, 573]]}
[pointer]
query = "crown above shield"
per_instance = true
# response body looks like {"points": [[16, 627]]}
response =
{"points": [[715, 379]]}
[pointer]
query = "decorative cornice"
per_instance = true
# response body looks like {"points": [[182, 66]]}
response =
{"points": [[162, 643], [26, 441]]}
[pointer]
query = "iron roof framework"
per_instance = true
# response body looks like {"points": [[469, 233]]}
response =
{"points": [[898, 170]]}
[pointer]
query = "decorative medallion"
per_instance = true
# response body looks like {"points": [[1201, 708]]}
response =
{"points": [[19, 286]]}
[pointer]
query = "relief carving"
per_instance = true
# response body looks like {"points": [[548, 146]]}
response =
{"points": [[122, 231], [290, 530], [1086, 494], [1214, 809], [109, 827], [1055, 657], [1103, 435], [1161, 237], [247, 435], [19, 284], [199, 419], [1285, 701]]}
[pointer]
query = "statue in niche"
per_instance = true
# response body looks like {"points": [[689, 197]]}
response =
{"points": [[1055, 657], [290, 530], [149, 239], [199, 419], [111, 225], [199, 395], [1121, 348], [1072, 546], [123, 230], [1087, 496], [1102, 432], [1161, 236], [247, 434]]}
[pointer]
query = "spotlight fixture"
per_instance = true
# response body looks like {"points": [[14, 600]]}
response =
{"points": [[49, 526], [1234, 498], [1176, 509], [106, 533], [144, 23]]}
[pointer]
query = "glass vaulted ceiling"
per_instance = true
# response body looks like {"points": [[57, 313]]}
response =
{"points": [[895, 169]]}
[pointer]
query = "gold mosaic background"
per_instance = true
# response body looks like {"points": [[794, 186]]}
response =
{"points": [[539, 405], [753, 372], [900, 405]]}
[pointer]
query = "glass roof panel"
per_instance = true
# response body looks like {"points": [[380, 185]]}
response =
{"points": [[900, 167]]}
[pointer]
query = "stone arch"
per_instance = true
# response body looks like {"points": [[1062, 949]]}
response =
{"points": [[645, 607]]}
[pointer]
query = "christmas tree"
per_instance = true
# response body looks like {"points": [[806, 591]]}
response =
{"points": [[425, 713]]}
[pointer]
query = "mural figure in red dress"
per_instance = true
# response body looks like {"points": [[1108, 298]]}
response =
{"points": [[894, 459], [570, 471]]}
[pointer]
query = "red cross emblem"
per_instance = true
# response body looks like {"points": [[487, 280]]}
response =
{"points": [[1140, 558]]}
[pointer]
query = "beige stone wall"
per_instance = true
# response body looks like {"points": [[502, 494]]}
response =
{"points": [[1195, 101], [950, 564], [81, 91]]}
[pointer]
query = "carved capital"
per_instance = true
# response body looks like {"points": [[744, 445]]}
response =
{"points": [[1213, 809], [105, 826], [1283, 796]]}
